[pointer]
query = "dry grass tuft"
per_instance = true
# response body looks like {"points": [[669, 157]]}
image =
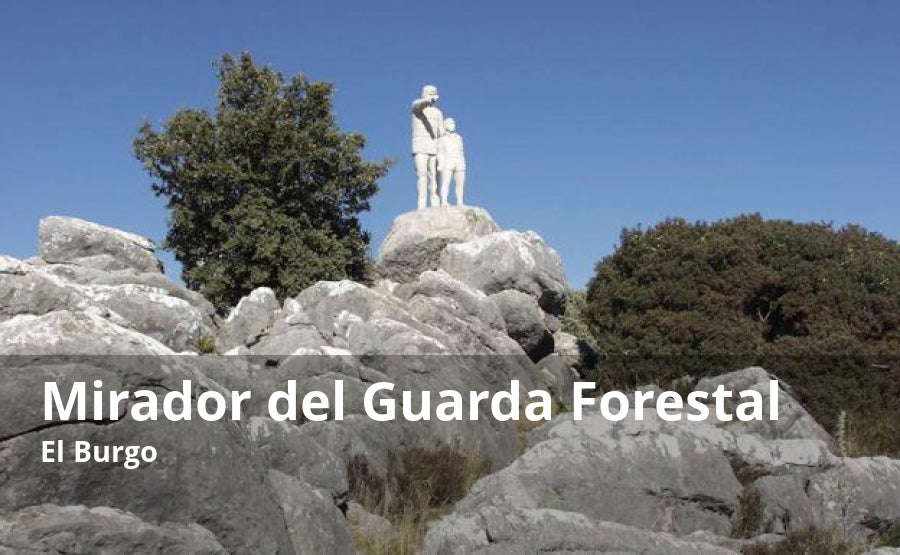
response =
{"points": [[748, 520], [421, 485], [808, 541], [746, 472]]}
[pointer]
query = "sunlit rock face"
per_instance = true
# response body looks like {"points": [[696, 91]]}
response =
{"points": [[416, 239]]}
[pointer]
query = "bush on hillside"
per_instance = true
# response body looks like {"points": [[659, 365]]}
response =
{"points": [[818, 306]]}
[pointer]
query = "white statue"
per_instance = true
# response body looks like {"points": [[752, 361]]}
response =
{"points": [[427, 127], [451, 162]]}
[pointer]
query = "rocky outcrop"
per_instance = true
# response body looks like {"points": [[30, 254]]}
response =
{"points": [[793, 420], [511, 530], [688, 479], [525, 322], [256, 485], [574, 350], [416, 239], [315, 524], [249, 319], [859, 493], [463, 306], [70, 240], [88, 268], [207, 473], [510, 260], [664, 482], [51, 529], [467, 244]]}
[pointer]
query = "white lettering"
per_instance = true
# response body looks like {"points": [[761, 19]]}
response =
{"points": [[623, 406], [542, 409], [387, 404], [579, 400], [669, 400], [52, 398], [290, 397], [452, 409]]}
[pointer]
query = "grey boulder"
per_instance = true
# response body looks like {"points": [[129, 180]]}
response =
{"points": [[77, 530], [793, 420], [64, 239], [516, 530], [315, 525], [574, 350], [525, 322], [416, 239], [655, 482], [510, 260], [206, 472], [145, 302], [863, 494], [248, 320]]}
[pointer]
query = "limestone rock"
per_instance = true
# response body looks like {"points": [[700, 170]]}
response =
{"points": [[512, 530], [148, 303], [291, 452], [206, 472], [64, 239], [859, 493], [370, 524], [510, 260], [525, 322], [674, 477], [465, 315], [660, 483], [864, 487], [315, 524], [260, 486], [25, 289], [558, 377], [249, 319], [171, 320], [416, 239], [793, 420], [748, 448], [784, 504], [566, 344], [79, 530], [352, 316], [278, 343], [64, 332], [574, 350], [472, 304]]}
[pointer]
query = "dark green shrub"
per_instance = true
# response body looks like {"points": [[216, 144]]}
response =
{"points": [[818, 306]]}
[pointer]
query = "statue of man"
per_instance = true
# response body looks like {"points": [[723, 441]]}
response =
{"points": [[427, 127], [451, 162]]}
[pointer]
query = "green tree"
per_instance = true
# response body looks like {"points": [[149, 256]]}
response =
{"points": [[264, 192], [818, 306]]}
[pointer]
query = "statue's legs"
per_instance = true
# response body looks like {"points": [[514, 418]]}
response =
{"points": [[446, 176], [460, 186], [432, 181], [422, 175]]}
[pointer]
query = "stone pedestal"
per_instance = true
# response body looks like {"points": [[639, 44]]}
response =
{"points": [[416, 239]]}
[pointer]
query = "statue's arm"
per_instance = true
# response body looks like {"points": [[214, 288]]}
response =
{"points": [[418, 105]]}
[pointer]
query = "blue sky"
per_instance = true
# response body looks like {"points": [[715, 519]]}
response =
{"points": [[580, 118]]}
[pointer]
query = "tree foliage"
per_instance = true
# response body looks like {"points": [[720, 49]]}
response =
{"points": [[818, 306], [266, 191]]}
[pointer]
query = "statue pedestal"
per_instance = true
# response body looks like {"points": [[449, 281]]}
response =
{"points": [[416, 239]]}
